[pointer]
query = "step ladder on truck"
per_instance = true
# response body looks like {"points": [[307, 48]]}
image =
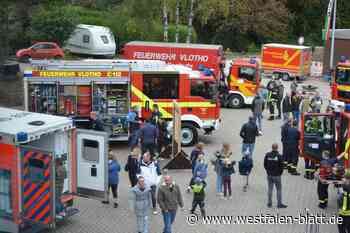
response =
{"points": [[32, 145], [111, 87]]}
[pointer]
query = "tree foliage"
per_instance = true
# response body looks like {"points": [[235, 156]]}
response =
{"points": [[55, 23], [238, 24]]}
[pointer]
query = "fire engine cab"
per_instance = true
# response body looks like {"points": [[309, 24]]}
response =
{"points": [[111, 87], [341, 82], [31, 145], [325, 132], [242, 83]]}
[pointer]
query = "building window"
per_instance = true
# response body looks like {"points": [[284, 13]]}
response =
{"points": [[105, 39], [86, 38], [165, 86], [90, 150], [5, 193]]}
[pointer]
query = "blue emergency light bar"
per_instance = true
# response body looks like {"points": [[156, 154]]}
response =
{"points": [[21, 137]]}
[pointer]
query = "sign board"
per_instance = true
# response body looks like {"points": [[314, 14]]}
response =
{"points": [[176, 141], [78, 74]]}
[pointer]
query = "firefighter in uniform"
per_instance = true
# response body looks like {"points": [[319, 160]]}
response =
{"points": [[322, 185], [292, 148], [344, 206], [284, 132], [272, 98]]}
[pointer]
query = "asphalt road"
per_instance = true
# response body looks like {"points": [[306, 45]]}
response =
{"points": [[298, 193]]}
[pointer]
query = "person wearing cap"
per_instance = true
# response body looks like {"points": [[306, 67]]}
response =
{"points": [[198, 188], [273, 164], [248, 133], [344, 205]]}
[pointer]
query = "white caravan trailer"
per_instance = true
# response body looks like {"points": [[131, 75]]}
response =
{"points": [[92, 40]]}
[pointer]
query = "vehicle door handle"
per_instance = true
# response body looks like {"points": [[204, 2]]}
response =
{"points": [[93, 171], [189, 109]]}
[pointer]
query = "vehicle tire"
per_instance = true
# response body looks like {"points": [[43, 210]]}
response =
{"points": [[189, 134], [235, 101], [285, 77], [25, 59]]}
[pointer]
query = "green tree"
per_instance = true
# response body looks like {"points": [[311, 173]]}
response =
{"points": [[55, 23]]}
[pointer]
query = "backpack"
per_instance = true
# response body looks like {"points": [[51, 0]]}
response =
{"points": [[245, 166]]}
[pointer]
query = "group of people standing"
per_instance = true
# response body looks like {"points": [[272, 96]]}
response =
{"points": [[151, 134]]}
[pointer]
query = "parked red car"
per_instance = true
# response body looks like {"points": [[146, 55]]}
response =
{"points": [[40, 50]]}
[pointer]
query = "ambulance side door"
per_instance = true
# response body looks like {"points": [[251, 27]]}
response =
{"points": [[37, 186], [318, 135], [92, 163]]}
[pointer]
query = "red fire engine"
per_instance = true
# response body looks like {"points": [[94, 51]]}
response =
{"points": [[341, 82], [111, 87], [242, 83], [192, 55]]}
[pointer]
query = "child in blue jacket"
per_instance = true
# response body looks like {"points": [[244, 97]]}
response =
{"points": [[113, 178]]}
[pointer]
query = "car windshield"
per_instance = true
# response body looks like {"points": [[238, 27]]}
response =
{"points": [[204, 88], [343, 75]]}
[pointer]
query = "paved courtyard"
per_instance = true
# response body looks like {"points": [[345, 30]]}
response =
{"points": [[298, 193]]}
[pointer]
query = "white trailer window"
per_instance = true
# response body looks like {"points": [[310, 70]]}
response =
{"points": [[5, 193], [91, 150], [104, 39], [86, 39]]}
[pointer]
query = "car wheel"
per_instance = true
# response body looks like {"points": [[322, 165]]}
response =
{"points": [[189, 134], [235, 101]]}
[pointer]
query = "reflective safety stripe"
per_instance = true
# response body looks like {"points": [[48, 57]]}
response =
{"points": [[323, 201], [345, 201], [346, 150], [292, 58], [145, 98], [344, 210]]}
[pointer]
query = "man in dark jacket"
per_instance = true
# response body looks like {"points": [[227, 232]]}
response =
{"points": [[169, 198], [284, 132], [148, 136], [257, 109], [286, 107], [248, 133], [292, 148], [273, 165], [272, 98]]}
